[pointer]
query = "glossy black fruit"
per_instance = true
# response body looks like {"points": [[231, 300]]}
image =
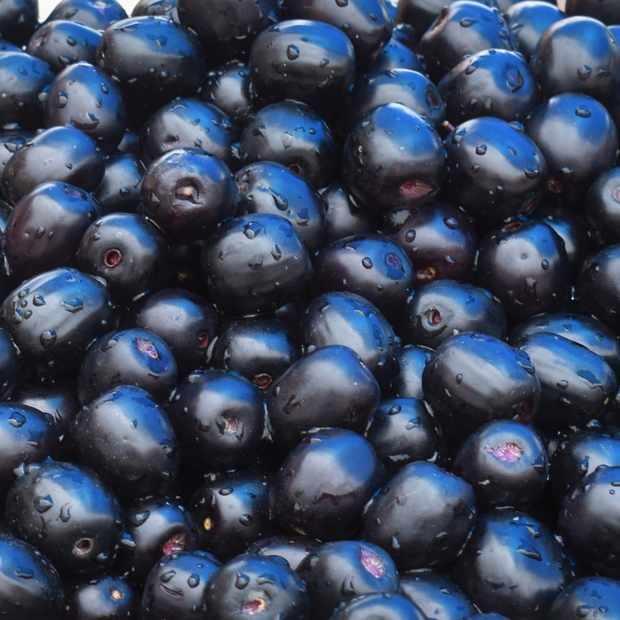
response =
{"points": [[422, 516], [322, 487], [68, 513]]}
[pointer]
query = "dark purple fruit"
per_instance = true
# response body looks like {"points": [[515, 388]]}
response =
{"points": [[322, 487], [125, 437], [422, 516], [336, 572], [68, 513], [587, 594], [512, 565]]}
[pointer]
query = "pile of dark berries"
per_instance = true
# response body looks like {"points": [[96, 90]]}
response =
{"points": [[310, 310]]}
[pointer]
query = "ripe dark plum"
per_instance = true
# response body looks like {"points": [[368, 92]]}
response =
{"points": [[27, 435], [18, 20], [471, 379], [156, 528], [330, 386], [128, 251], [100, 596], [96, 16], [186, 322], [323, 485], [22, 78], [227, 86], [576, 384], [587, 593], [255, 263], [411, 88], [226, 30], [391, 606], [593, 500], [302, 59], [494, 171], [579, 455], [61, 42], [587, 146], [53, 316], [435, 594], [131, 356], [492, 82], [45, 228], [153, 59], [525, 265], [367, 23], [188, 122], [292, 547], [351, 320], [10, 141], [126, 437], [343, 216], [577, 55], [393, 159], [232, 512], [601, 208], [121, 186], [580, 328], [528, 20], [403, 430], [411, 362], [513, 565], [31, 586], [219, 418], [269, 187], [188, 192], [440, 241], [62, 153], [176, 585], [396, 54], [336, 572], [83, 96], [506, 464], [572, 228], [291, 133], [68, 513], [422, 516], [446, 307], [372, 265], [256, 584], [462, 28], [258, 348], [57, 397]]}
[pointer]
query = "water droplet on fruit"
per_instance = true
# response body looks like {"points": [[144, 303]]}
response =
{"points": [[246, 520], [469, 71], [225, 491], [475, 168], [529, 552], [47, 338], [481, 149], [467, 22], [241, 581], [38, 300], [514, 79], [410, 236], [65, 512], [167, 576], [292, 51], [73, 305], [583, 111], [193, 580], [137, 519], [584, 72], [367, 262], [16, 419], [287, 140]]}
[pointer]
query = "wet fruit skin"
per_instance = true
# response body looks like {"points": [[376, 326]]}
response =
{"points": [[336, 572], [422, 516], [329, 387], [252, 583], [307, 500], [81, 517], [516, 550], [457, 383], [31, 585]]}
